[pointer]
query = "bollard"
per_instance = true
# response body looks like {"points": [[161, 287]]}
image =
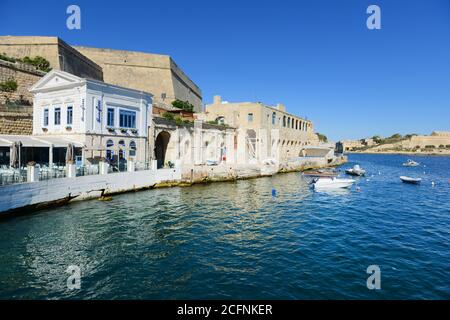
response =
{"points": [[32, 173], [71, 170], [103, 167], [130, 166]]}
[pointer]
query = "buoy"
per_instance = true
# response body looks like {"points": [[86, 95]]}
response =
{"points": [[358, 189], [274, 193], [432, 183]]}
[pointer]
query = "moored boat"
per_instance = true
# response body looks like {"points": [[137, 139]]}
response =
{"points": [[410, 180], [356, 171], [332, 183], [320, 173], [410, 163]]}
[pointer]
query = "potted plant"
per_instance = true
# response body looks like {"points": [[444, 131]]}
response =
{"points": [[44, 129], [123, 130], [69, 128]]}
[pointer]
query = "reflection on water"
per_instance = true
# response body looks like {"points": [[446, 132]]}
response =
{"points": [[236, 240]]}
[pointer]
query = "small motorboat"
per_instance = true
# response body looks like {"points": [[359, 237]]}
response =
{"points": [[332, 183], [410, 180], [320, 173], [411, 163], [356, 171]]}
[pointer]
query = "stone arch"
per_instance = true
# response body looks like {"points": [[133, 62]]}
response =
{"points": [[161, 142]]}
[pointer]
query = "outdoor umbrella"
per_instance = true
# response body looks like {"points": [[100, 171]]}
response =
{"points": [[15, 154], [69, 153]]}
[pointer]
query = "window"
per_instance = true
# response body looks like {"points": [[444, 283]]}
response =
{"points": [[127, 119], [110, 117], [109, 152], [45, 117], [289, 122], [121, 149], [57, 116], [69, 115], [220, 120], [284, 121], [132, 149], [274, 117], [250, 117]]}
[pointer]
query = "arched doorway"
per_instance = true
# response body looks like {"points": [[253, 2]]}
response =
{"points": [[161, 142]]}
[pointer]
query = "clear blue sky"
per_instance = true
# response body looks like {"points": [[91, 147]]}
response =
{"points": [[317, 57]]}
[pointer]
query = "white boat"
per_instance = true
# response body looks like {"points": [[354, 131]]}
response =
{"points": [[410, 180], [332, 183], [410, 163], [356, 171]]}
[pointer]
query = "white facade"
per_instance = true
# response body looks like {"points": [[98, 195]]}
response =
{"points": [[108, 120]]}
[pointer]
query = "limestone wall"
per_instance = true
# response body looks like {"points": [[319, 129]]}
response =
{"points": [[60, 55], [16, 120], [154, 73], [24, 75]]}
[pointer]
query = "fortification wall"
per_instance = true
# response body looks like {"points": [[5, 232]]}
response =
{"points": [[24, 75], [16, 120], [60, 55], [154, 73]]}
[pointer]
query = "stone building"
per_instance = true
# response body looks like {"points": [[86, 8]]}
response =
{"points": [[60, 55], [263, 132], [154, 73], [437, 139], [107, 121]]}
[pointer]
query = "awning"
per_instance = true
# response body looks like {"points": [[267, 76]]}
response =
{"points": [[38, 142]]}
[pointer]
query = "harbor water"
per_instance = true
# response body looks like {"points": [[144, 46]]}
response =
{"points": [[267, 238]]}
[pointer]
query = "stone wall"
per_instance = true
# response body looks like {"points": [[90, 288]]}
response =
{"points": [[16, 120], [25, 76], [154, 73], [60, 55]]}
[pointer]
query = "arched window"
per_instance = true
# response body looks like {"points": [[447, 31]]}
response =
{"points": [[220, 120], [274, 117], [132, 152], [121, 149], [289, 122], [109, 152], [284, 121]]}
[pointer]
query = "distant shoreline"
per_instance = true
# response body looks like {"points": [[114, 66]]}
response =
{"points": [[401, 153]]}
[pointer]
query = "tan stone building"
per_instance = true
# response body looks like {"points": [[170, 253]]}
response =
{"points": [[267, 132], [60, 55], [154, 73]]}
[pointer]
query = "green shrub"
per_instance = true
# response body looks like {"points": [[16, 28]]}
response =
{"points": [[168, 116], [184, 105], [429, 146], [39, 62], [6, 58], [8, 86]]}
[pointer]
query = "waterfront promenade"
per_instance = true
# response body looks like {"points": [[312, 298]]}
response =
{"points": [[37, 194]]}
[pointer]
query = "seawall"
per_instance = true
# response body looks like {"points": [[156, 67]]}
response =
{"points": [[25, 197]]}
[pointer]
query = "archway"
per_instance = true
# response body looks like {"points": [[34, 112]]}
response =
{"points": [[161, 142]]}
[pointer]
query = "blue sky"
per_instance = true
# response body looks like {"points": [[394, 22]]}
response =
{"points": [[317, 57]]}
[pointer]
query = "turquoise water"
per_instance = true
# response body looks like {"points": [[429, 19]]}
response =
{"points": [[234, 240]]}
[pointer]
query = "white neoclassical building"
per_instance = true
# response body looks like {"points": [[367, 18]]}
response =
{"points": [[102, 120]]}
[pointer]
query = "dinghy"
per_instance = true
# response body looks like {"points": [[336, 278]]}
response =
{"points": [[410, 180], [356, 171], [410, 163], [332, 183]]}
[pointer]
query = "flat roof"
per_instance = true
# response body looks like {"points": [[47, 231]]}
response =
{"points": [[34, 141]]}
